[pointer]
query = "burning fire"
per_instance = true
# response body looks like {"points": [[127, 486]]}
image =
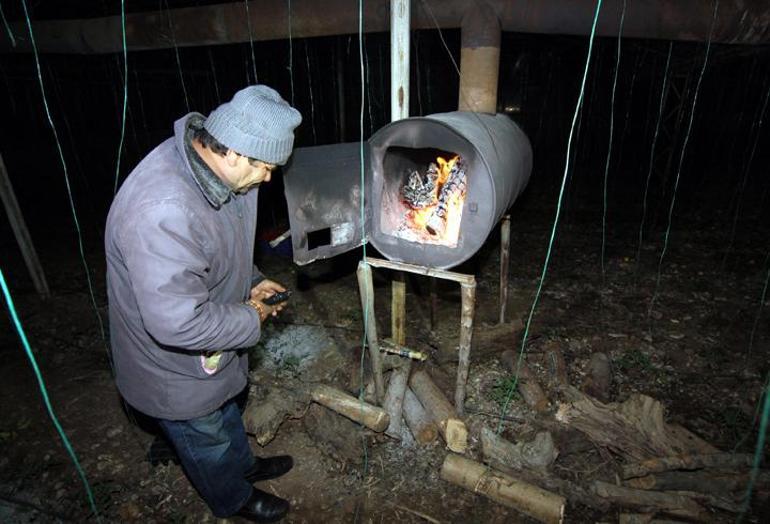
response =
{"points": [[435, 201]]}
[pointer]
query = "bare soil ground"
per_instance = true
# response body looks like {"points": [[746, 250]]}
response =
{"points": [[699, 349]]}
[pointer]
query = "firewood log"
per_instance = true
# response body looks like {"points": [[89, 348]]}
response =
{"points": [[686, 462], [533, 501], [555, 366], [372, 417], [651, 501], [528, 385], [394, 399], [599, 377], [452, 429], [418, 420]]}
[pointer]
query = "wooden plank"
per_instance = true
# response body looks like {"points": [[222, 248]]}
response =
{"points": [[225, 23]]}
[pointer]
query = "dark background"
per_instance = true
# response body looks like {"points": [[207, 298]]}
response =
{"points": [[723, 184]]}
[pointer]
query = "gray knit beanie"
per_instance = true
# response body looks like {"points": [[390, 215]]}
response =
{"points": [[256, 123]]}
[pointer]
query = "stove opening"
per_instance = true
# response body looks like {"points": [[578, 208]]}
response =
{"points": [[423, 195]]}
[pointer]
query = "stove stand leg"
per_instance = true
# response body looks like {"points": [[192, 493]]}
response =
{"points": [[366, 288], [468, 292], [505, 255]]}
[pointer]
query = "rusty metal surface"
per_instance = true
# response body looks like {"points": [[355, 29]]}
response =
{"points": [[739, 22]]}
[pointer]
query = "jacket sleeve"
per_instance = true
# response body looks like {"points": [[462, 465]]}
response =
{"points": [[164, 251]]}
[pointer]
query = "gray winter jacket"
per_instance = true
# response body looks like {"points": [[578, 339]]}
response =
{"points": [[179, 268]]}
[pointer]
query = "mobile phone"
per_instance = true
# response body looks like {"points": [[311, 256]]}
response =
{"points": [[277, 298]]}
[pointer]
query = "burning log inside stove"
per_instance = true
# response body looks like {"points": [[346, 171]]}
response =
{"points": [[420, 192], [434, 200], [452, 191]]}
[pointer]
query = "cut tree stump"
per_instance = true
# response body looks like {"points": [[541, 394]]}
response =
{"points": [[372, 417], [528, 385], [418, 420], [337, 437], [537, 454], [263, 417], [634, 429], [452, 429], [598, 378], [651, 501], [533, 501]]}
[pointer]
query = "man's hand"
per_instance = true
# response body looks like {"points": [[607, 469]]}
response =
{"points": [[267, 288]]}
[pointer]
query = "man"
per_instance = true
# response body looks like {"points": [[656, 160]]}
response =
{"points": [[185, 298]]}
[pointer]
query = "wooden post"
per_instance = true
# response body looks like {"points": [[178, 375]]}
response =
{"points": [[436, 404], [538, 503], [366, 288], [466, 332], [433, 304], [398, 310], [22, 233], [356, 410], [505, 256]]}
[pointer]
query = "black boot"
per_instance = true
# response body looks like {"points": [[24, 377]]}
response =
{"points": [[263, 507], [268, 468]]}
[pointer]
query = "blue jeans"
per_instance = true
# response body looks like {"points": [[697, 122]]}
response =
{"points": [[215, 455]]}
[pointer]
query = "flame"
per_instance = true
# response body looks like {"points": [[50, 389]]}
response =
{"points": [[417, 219]]}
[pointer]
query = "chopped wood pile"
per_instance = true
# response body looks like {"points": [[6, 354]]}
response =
{"points": [[655, 470]]}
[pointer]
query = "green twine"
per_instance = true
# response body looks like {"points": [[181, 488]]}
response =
{"points": [[125, 94], [652, 154], [758, 452], [681, 158], [362, 208], [7, 27], [44, 393], [761, 305], [609, 145], [66, 172], [251, 42], [515, 381], [291, 52], [176, 54]]}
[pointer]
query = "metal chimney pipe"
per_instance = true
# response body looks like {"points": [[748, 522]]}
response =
{"points": [[479, 59]]}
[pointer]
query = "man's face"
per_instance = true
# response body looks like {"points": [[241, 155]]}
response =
{"points": [[243, 173]]}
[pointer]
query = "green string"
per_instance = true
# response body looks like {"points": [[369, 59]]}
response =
{"points": [[681, 158], [251, 43], [609, 145], [66, 174], [758, 453], [125, 94], [652, 155], [761, 305], [7, 27], [44, 393], [579, 103], [363, 210], [291, 52], [176, 53]]}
